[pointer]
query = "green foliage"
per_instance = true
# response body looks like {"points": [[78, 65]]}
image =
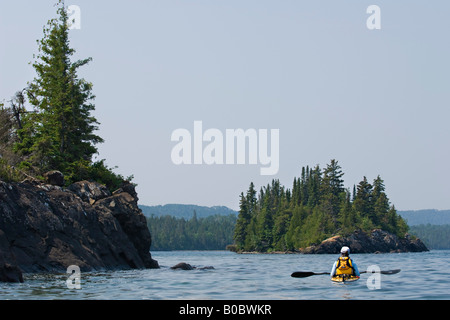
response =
{"points": [[59, 133], [317, 207], [8, 173], [209, 233], [97, 171]]}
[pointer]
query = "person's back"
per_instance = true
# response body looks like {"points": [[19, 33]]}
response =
{"points": [[344, 266]]}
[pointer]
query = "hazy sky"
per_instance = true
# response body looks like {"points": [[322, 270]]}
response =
{"points": [[378, 101]]}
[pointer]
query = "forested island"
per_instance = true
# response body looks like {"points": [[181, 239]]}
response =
{"points": [[213, 231], [278, 219], [316, 208]]}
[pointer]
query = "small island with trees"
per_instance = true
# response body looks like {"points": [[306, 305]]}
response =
{"points": [[319, 211]]}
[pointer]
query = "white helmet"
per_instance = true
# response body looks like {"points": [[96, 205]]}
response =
{"points": [[345, 250]]}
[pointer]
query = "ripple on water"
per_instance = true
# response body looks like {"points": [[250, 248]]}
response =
{"points": [[249, 277]]}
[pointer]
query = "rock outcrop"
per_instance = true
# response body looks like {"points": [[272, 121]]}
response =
{"points": [[378, 241], [47, 228], [54, 178], [182, 266], [187, 266], [90, 191]]}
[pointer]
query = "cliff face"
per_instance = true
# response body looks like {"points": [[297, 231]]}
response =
{"points": [[47, 228], [378, 241]]}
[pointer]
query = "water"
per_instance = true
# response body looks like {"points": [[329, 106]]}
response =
{"points": [[424, 276]]}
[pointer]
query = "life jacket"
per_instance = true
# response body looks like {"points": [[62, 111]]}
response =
{"points": [[344, 266]]}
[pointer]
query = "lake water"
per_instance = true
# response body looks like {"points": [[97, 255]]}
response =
{"points": [[424, 276]]}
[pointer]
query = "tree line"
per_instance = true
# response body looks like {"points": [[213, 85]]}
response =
{"points": [[317, 207], [208, 233], [434, 236], [49, 125]]}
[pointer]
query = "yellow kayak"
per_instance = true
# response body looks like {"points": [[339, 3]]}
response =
{"points": [[344, 278]]}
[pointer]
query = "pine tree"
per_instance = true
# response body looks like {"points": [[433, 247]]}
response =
{"points": [[251, 199], [294, 236], [280, 228], [314, 180], [243, 220], [363, 200], [60, 133], [332, 189], [401, 227], [332, 182], [304, 186], [380, 205], [348, 218]]}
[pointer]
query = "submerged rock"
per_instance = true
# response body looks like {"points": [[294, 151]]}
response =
{"points": [[182, 266], [46, 228], [187, 266], [378, 241]]}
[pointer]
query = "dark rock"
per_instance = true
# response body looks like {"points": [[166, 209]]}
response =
{"points": [[182, 266], [8, 272], [205, 268], [129, 188], [124, 208], [378, 241], [48, 228], [55, 178], [90, 191], [187, 266]]}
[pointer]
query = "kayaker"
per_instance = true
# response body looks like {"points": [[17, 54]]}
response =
{"points": [[344, 265]]}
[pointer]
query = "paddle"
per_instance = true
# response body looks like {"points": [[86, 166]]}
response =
{"points": [[301, 274], [383, 272]]}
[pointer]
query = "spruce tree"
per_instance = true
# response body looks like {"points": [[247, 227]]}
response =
{"points": [[332, 182], [243, 220], [60, 134], [363, 200], [251, 199], [332, 190], [380, 205]]}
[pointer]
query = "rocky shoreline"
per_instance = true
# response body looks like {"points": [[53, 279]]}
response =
{"points": [[377, 241], [47, 228]]}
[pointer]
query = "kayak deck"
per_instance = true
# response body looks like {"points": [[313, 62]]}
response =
{"points": [[344, 278]]}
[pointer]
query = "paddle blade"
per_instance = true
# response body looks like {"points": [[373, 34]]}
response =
{"points": [[390, 271], [302, 274]]}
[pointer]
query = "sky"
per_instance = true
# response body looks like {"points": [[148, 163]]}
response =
{"points": [[376, 100]]}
